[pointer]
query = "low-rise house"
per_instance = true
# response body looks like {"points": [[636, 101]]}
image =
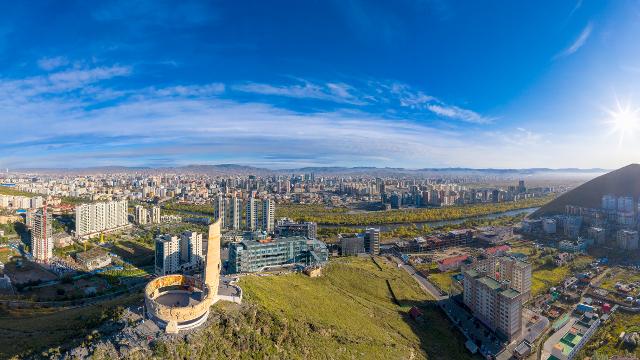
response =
{"points": [[562, 258], [451, 262], [497, 250]]}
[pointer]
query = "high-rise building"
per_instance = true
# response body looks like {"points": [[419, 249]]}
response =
{"points": [[228, 210], [251, 222], [625, 204], [495, 289], [167, 253], [627, 239], [141, 215], [268, 215], [372, 241], [91, 219], [494, 303], [37, 202], [235, 213], [609, 202], [155, 215], [41, 235], [191, 256]]}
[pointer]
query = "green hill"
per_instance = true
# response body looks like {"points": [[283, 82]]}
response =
{"points": [[624, 181], [348, 313]]}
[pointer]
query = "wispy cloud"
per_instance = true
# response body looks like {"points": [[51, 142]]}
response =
{"points": [[52, 63], [369, 94], [576, 7], [74, 117], [455, 112], [334, 92], [578, 43]]}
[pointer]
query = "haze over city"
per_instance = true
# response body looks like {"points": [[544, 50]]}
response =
{"points": [[282, 85]]}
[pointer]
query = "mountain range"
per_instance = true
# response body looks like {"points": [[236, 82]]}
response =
{"points": [[622, 182]]}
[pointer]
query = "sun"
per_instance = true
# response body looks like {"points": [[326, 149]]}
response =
{"points": [[624, 120]]}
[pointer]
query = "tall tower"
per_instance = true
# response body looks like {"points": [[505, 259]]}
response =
{"points": [[268, 215], [252, 214], [235, 212], [41, 235], [212, 259]]}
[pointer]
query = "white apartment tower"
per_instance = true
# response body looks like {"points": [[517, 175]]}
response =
{"points": [[268, 215], [252, 214], [495, 290], [155, 215], [141, 215], [167, 254], [191, 256], [41, 236], [235, 212], [95, 218]]}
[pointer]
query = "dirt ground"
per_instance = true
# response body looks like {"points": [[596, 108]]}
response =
{"points": [[27, 272], [76, 288]]}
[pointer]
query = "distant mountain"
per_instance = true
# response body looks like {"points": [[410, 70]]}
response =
{"points": [[235, 169], [624, 181]]}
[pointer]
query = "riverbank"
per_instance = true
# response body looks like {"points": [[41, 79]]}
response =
{"points": [[343, 216]]}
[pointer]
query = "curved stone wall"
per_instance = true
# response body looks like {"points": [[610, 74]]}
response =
{"points": [[174, 315]]}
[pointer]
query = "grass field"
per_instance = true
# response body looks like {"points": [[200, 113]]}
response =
{"points": [[622, 276], [6, 254], [135, 253], [31, 330], [348, 313], [352, 299], [545, 277]]}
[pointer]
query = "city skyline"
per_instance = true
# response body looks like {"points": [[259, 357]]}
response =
{"points": [[287, 85]]}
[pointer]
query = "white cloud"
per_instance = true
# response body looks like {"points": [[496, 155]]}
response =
{"points": [[44, 126], [334, 92], [455, 112], [371, 93], [52, 63], [578, 43]]}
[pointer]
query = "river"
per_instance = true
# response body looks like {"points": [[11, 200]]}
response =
{"points": [[433, 224]]}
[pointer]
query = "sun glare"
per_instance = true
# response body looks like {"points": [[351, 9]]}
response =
{"points": [[624, 120]]}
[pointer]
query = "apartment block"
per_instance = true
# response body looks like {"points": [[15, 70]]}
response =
{"points": [[494, 303], [91, 219], [41, 235], [495, 289]]}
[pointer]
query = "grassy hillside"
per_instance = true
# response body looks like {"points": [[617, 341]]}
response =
{"points": [[624, 181], [349, 313]]}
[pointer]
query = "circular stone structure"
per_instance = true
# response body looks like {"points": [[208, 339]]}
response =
{"points": [[178, 302]]}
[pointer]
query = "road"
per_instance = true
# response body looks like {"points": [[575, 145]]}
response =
{"points": [[428, 287]]}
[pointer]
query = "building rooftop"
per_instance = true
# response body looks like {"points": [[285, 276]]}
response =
{"points": [[510, 293], [273, 241], [453, 260], [491, 283], [91, 254]]}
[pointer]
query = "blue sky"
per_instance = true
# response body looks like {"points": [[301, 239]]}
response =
{"points": [[284, 84]]}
